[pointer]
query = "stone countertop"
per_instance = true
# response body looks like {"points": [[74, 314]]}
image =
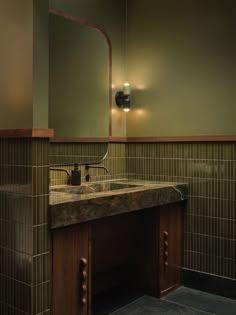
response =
{"points": [[66, 208]]}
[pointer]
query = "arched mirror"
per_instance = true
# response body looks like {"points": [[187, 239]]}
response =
{"points": [[79, 81]]}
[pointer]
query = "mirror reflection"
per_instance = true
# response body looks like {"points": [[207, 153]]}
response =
{"points": [[78, 80]]}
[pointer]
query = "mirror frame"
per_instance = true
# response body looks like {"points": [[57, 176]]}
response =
{"points": [[97, 27]]}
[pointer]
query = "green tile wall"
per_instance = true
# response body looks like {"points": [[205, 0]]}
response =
{"points": [[210, 220], [24, 241]]}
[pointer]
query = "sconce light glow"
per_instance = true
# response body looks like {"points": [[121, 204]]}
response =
{"points": [[126, 88], [123, 98], [126, 109]]}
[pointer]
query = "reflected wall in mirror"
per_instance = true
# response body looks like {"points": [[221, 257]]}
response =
{"points": [[79, 79]]}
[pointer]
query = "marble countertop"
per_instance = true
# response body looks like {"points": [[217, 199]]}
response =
{"points": [[67, 208]]}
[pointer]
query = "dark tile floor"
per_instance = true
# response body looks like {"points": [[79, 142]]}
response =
{"points": [[147, 305], [202, 301], [182, 301]]}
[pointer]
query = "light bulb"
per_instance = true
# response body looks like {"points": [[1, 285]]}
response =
{"points": [[126, 88], [126, 109]]}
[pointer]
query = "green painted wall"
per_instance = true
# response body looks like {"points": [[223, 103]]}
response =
{"points": [[40, 64], [110, 15], [23, 64], [182, 69], [181, 63], [16, 34]]}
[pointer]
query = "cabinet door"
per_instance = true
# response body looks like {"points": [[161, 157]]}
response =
{"points": [[170, 246], [71, 270]]}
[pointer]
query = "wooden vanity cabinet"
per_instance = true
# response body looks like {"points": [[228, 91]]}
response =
{"points": [[71, 264], [137, 250]]}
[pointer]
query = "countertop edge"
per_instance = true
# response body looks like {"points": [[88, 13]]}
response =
{"points": [[81, 211]]}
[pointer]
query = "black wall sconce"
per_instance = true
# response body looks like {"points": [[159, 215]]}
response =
{"points": [[123, 98]]}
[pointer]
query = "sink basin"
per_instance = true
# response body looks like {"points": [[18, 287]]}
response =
{"points": [[93, 187]]}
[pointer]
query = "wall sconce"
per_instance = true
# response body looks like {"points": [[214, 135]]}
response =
{"points": [[123, 98]]}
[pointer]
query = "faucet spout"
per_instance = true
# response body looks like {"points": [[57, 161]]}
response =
{"points": [[61, 170], [87, 167]]}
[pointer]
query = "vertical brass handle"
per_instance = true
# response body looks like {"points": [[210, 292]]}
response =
{"points": [[83, 261], [84, 288], [165, 249], [84, 301], [83, 280]]}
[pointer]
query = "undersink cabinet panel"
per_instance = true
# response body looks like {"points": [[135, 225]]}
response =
{"points": [[113, 245], [145, 261], [71, 270], [113, 240]]}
